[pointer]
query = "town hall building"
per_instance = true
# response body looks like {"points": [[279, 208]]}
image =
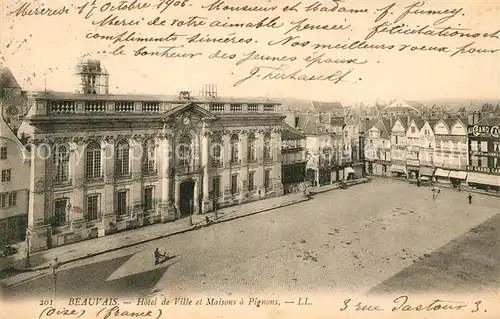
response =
{"points": [[103, 163]]}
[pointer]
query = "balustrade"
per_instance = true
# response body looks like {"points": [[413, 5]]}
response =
{"points": [[95, 106], [124, 106], [62, 107], [150, 107]]}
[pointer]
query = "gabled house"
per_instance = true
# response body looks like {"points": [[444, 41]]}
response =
{"points": [[377, 148], [450, 153], [14, 185], [293, 158], [484, 154], [398, 147], [14, 99], [426, 154], [414, 144]]}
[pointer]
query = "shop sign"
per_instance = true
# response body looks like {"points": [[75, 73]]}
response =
{"points": [[484, 131], [487, 170]]}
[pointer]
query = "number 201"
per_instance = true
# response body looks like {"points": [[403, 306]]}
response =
{"points": [[45, 302]]}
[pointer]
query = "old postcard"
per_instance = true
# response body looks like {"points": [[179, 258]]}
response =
{"points": [[249, 159]]}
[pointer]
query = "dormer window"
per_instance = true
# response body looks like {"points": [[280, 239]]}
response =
{"points": [[184, 95]]}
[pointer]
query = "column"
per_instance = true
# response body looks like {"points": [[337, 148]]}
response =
{"points": [[196, 197], [163, 158], [243, 183], [259, 175], [136, 170], [276, 152], [205, 152], [177, 198], [38, 213], [108, 167], [77, 169], [226, 175]]}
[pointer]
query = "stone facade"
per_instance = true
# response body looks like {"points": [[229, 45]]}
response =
{"points": [[107, 163]]}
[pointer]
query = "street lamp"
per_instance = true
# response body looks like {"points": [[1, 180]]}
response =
{"points": [[55, 265]]}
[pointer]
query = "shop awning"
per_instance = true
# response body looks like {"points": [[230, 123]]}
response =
{"points": [[349, 170], [425, 178], [427, 171], [398, 169], [458, 175], [483, 179], [442, 172]]}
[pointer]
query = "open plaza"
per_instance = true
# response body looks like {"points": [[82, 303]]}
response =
{"points": [[382, 236]]}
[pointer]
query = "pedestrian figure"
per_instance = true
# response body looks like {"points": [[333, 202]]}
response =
{"points": [[470, 198], [159, 258], [207, 220]]}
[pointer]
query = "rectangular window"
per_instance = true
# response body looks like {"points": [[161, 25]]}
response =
{"points": [[216, 186], [148, 198], [413, 129], [12, 199], [484, 146], [251, 177], [484, 161], [234, 184], [93, 164], [148, 165], [6, 175], [234, 151], [60, 209], [267, 179], [3, 152], [3, 200], [121, 203], [473, 145], [93, 207]]}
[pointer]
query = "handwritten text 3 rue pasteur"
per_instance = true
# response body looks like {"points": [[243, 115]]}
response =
{"points": [[155, 307], [323, 40]]}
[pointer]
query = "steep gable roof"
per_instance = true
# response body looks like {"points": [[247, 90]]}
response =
{"points": [[290, 133], [419, 122], [327, 106], [383, 126], [7, 133], [489, 121], [7, 80]]}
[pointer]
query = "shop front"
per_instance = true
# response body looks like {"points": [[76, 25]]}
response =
{"points": [[413, 172], [398, 170], [441, 175], [484, 181], [457, 178], [426, 173], [349, 173]]}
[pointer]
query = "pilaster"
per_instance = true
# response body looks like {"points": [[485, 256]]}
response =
{"points": [[207, 204], [243, 183], [163, 158], [276, 153], [38, 213], [259, 175], [108, 171], [226, 175], [136, 171], [177, 198], [77, 169]]}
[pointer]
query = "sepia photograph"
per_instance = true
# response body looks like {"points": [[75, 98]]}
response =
{"points": [[221, 159]]}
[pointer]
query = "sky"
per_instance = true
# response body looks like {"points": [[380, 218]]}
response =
{"points": [[42, 52]]}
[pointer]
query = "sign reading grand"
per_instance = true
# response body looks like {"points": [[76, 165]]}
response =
{"points": [[484, 131]]}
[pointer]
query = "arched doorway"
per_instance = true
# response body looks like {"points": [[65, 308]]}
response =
{"points": [[187, 198]]}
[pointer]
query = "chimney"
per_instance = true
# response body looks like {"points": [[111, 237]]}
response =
{"points": [[296, 121]]}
